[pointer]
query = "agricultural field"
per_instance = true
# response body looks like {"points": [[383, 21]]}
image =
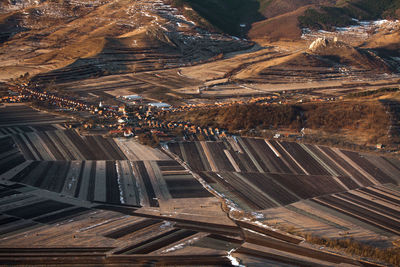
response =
{"points": [[310, 188], [21, 118], [34, 222], [114, 201]]}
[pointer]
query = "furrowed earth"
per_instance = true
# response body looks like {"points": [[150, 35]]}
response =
{"points": [[199, 133]]}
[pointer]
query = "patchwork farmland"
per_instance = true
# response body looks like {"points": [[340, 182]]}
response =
{"points": [[68, 198], [333, 188]]}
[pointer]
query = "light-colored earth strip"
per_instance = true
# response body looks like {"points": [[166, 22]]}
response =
{"points": [[232, 160], [202, 156], [280, 156], [135, 151], [160, 182], [71, 180], [250, 155], [375, 199], [355, 166], [84, 189], [43, 149], [326, 167], [276, 152], [367, 208], [47, 149], [65, 155], [208, 156], [234, 145], [263, 159], [68, 143], [100, 183], [128, 183], [320, 161], [385, 167], [340, 167], [358, 216], [11, 173], [294, 160], [58, 126], [316, 207], [385, 191], [25, 140], [154, 182]]}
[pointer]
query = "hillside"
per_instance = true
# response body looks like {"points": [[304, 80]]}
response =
{"points": [[360, 119]]}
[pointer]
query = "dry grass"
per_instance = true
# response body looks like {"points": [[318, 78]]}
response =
{"points": [[358, 121]]}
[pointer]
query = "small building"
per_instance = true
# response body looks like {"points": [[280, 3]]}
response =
{"points": [[160, 105], [132, 97]]}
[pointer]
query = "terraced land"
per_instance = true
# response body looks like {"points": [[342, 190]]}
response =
{"points": [[303, 186], [69, 198], [21, 118]]}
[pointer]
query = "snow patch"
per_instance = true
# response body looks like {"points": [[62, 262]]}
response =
{"points": [[181, 245], [121, 193]]}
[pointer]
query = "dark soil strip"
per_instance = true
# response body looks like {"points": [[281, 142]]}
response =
{"points": [[147, 183], [369, 167], [50, 219], [80, 144], [42, 177], [385, 197], [98, 152], [33, 147], [57, 183], [185, 188], [63, 146], [7, 192], [112, 188], [343, 163], [121, 232], [157, 242], [53, 148], [79, 182], [347, 181], [361, 214], [8, 220], [17, 228], [92, 180], [27, 170], [11, 162], [371, 205], [124, 209], [23, 147], [37, 209]]}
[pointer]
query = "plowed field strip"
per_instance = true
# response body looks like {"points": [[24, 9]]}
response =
{"points": [[359, 213], [371, 205], [159, 241], [60, 216], [147, 183], [380, 195], [112, 188], [129, 229], [37, 209], [371, 169]]}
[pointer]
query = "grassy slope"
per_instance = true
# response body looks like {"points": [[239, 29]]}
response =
{"points": [[359, 120]]}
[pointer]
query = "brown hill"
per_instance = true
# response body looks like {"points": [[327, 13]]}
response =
{"points": [[279, 7]]}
